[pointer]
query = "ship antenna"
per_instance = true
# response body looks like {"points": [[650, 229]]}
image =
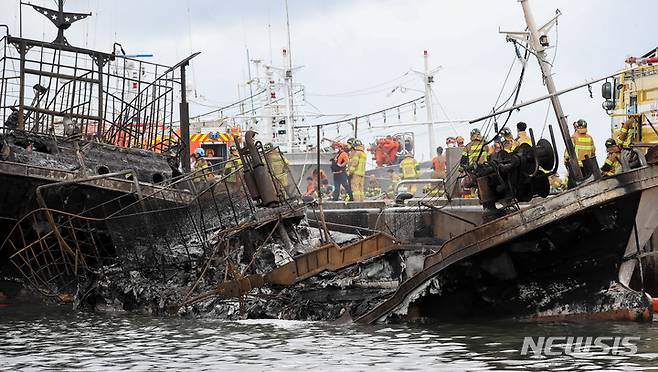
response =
{"points": [[537, 44]]}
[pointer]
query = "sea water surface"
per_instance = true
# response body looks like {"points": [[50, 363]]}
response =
{"points": [[36, 337]]}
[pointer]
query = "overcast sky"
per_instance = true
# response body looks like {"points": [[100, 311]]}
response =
{"points": [[347, 46]]}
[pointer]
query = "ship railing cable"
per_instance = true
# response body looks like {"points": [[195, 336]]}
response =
{"points": [[362, 116], [223, 108]]}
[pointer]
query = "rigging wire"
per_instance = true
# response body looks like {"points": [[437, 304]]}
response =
{"points": [[438, 103], [338, 122], [516, 97], [228, 106], [362, 90]]}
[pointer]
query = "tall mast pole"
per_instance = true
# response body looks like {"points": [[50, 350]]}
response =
{"points": [[535, 45], [429, 79], [288, 80], [267, 109]]}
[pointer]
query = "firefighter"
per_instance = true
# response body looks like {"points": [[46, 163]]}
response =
{"points": [[339, 164], [474, 152], [390, 149], [326, 189], [278, 164], [230, 169], [555, 183], [612, 164], [310, 186], [394, 179], [409, 169], [350, 145], [200, 165], [378, 151], [439, 164], [583, 144], [626, 133], [522, 136], [357, 170], [509, 144], [625, 139], [373, 191]]}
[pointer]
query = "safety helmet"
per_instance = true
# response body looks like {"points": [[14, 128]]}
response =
{"points": [[234, 148], [506, 132], [460, 140], [268, 146], [200, 151], [610, 142], [357, 143], [475, 133], [581, 123], [350, 141]]}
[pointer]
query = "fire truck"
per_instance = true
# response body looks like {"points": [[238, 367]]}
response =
{"points": [[214, 143], [635, 93]]}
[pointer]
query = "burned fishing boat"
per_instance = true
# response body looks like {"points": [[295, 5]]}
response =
{"points": [[92, 126], [103, 220], [576, 255]]}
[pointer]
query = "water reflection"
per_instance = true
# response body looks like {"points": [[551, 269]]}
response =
{"points": [[51, 338]]}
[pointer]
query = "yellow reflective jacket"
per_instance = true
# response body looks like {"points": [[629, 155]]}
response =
{"points": [[231, 165], [584, 145], [474, 149], [408, 168], [626, 133], [523, 138], [612, 165], [358, 160]]}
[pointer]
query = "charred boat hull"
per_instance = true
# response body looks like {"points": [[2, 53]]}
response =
{"points": [[558, 258]]}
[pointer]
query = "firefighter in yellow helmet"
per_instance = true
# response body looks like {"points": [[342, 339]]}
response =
{"points": [[409, 169], [509, 143], [474, 152], [357, 169], [583, 144], [231, 169], [612, 164], [278, 164]]}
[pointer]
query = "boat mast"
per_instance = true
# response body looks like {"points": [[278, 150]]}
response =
{"points": [[429, 79], [268, 120], [537, 44], [288, 79]]}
